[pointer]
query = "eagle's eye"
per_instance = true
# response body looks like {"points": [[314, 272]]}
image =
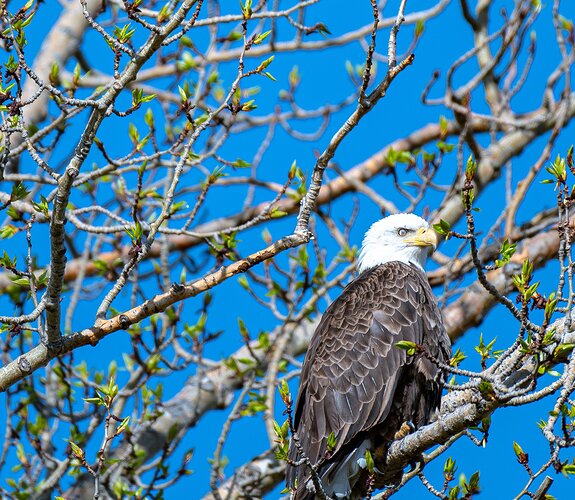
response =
{"points": [[402, 231]]}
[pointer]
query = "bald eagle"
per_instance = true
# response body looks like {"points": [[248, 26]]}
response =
{"points": [[355, 383]]}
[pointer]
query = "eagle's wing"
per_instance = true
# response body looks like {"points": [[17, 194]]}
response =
{"points": [[353, 368]]}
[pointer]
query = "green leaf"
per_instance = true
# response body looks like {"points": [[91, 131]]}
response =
{"points": [[470, 168], [486, 390], [449, 469], [135, 233], [281, 452], [277, 213], [7, 262], [526, 270], [261, 37], [124, 33], [331, 442], [284, 391], [264, 340], [558, 170], [239, 163], [474, 482], [369, 461], [277, 429], [506, 252], [566, 24], [445, 147], [457, 357], [234, 36], [19, 192], [563, 350], [123, 425], [531, 290], [243, 281], [41, 207], [442, 227], [294, 77], [410, 347], [98, 400], [550, 306], [243, 330], [419, 28], [183, 94], [7, 231], [76, 450], [322, 29], [133, 133], [20, 281], [187, 62], [149, 118], [249, 105], [246, 8]]}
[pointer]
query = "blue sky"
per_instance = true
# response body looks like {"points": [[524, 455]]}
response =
{"points": [[324, 79]]}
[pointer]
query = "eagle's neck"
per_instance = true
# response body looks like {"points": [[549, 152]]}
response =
{"points": [[374, 254]]}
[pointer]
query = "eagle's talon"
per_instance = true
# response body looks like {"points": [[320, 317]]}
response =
{"points": [[416, 464], [406, 428]]}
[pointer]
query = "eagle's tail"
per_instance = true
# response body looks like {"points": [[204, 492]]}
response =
{"points": [[338, 476]]}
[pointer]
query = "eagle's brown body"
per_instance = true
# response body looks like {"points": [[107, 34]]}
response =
{"points": [[357, 384]]}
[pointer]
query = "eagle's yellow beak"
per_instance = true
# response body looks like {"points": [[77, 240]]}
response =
{"points": [[424, 237]]}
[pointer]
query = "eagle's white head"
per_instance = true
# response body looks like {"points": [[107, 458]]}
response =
{"points": [[399, 237]]}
